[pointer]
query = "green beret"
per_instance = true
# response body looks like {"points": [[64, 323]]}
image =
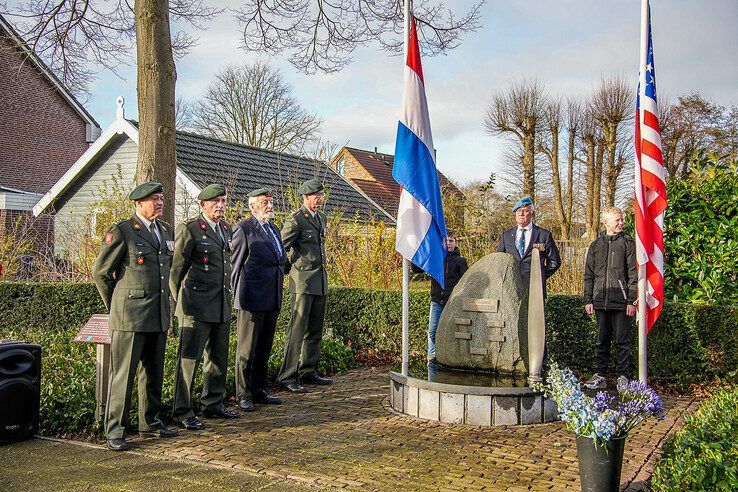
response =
{"points": [[310, 186], [259, 192], [523, 202], [143, 190], [212, 191]]}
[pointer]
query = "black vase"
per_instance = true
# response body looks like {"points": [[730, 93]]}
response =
{"points": [[599, 466]]}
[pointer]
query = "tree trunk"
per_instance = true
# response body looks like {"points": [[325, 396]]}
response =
{"points": [[592, 196], [157, 77], [529, 165], [612, 172], [569, 207], [597, 204]]}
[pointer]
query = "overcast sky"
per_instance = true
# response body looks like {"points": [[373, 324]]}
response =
{"points": [[566, 44]]}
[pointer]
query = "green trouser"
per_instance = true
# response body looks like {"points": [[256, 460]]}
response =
{"points": [[302, 340], [210, 339], [127, 349]]}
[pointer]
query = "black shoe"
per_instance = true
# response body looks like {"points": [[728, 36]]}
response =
{"points": [[266, 399], [220, 412], [119, 444], [192, 423], [315, 379], [246, 405], [296, 387], [163, 432]]}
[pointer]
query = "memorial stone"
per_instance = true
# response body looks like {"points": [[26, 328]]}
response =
{"points": [[484, 323]]}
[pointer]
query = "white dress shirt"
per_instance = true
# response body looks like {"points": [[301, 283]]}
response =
{"points": [[528, 233]]}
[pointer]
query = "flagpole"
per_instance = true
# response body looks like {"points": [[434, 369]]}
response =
{"points": [[405, 261], [642, 307]]}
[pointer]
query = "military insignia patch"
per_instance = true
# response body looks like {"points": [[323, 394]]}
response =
{"points": [[202, 225], [205, 259], [140, 260], [108, 238]]}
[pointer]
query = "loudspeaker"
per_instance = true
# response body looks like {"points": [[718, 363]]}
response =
{"points": [[20, 390]]}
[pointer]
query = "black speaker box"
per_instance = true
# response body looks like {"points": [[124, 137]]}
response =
{"points": [[20, 390]]}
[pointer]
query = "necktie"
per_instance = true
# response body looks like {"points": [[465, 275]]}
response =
{"points": [[521, 243], [271, 235], [152, 228]]}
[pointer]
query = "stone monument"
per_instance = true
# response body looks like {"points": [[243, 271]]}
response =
{"points": [[484, 324]]}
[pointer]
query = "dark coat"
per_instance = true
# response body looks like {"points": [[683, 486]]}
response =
{"points": [[454, 266], [132, 275], [258, 268], [201, 272], [304, 240], [610, 275], [550, 259]]}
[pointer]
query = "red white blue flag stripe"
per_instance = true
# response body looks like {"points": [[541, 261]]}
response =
{"points": [[650, 184], [421, 228]]}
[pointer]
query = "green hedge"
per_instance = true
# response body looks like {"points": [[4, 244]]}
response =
{"points": [[703, 455], [689, 343]]}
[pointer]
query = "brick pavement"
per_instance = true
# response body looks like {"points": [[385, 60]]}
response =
{"points": [[346, 436]]}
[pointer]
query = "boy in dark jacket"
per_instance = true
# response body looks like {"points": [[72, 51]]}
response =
{"points": [[454, 267], [610, 291]]}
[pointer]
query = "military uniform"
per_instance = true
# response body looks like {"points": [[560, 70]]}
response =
{"points": [[303, 236], [201, 283], [131, 273]]}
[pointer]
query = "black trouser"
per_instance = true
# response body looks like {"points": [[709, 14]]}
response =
{"points": [[612, 324], [255, 331]]}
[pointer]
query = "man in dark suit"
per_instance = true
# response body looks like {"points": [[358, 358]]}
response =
{"points": [[259, 263], [131, 273], [200, 281], [303, 234], [520, 241]]}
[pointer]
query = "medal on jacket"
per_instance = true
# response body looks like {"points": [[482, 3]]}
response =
{"points": [[206, 268], [170, 245], [206, 260], [140, 260]]}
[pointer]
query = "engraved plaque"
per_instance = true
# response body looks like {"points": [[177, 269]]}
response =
{"points": [[478, 351], [462, 335], [496, 323], [462, 321], [480, 305], [497, 338], [95, 330]]}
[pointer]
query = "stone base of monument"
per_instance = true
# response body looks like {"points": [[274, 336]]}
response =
{"points": [[469, 404]]}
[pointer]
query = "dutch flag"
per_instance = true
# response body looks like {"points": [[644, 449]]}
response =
{"points": [[421, 228]]}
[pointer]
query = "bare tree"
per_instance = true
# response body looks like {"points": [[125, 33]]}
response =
{"points": [[549, 147], [516, 113], [71, 33], [321, 36], [612, 105], [252, 104], [692, 124], [591, 157], [573, 122]]}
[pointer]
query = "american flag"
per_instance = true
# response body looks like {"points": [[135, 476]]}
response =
{"points": [[650, 183]]}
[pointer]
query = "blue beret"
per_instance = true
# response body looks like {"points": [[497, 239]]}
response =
{"points": [[143, 190], [523, 202]]}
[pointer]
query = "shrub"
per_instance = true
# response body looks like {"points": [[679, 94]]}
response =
{"points": [[703, 455]]}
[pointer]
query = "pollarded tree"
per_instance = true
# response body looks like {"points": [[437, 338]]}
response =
{"points": [[71, 34], [252, 104], [517, 113]]}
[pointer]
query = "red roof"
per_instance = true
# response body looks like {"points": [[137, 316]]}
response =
{"points": [[384, 191]]}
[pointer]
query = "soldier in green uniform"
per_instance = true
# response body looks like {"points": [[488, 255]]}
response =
{"points": [[303, 237], [131, 273], [201, 283]]}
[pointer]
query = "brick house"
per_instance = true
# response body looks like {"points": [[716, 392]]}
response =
{"points": [[371, 172], [43, 131]]}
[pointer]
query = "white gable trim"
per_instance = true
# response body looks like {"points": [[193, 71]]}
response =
{"points": [[192, 189], [120, 126]]}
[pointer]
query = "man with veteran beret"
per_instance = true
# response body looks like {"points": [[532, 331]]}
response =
{"points": [[303, 236], [259, 263], [520, 241], [131, 273], [201, 283]]}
